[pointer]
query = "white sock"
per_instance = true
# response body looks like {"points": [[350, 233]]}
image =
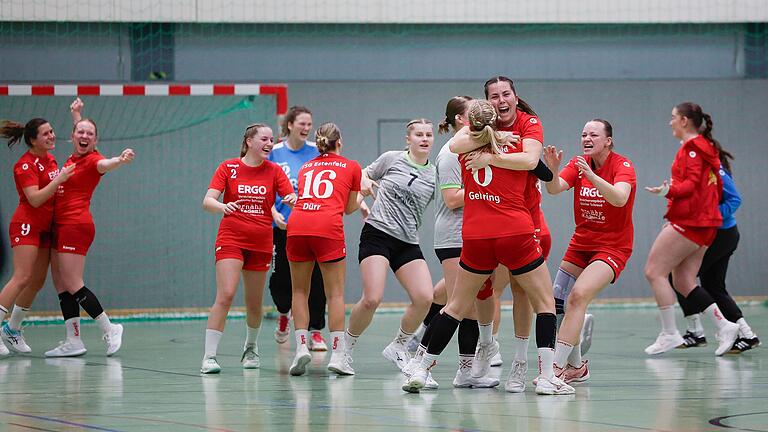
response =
{"points": [[419, 333], [520, 345], [486, 333], [337, 341], [562, 351], [428, 361], [402, 338], [73, 328], [713, 312], [17, 316], [746, 331], [212, 338], [350, 341], [103, 321], [302, 338], [694, 325], [251, 334], [546, 359], [574, 359], [465, 362], [668, 324], [3, 313]]}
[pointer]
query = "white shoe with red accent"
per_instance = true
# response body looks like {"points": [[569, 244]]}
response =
{"points": [[572, 374], [316, 341], [283, 329], [553, 386]]}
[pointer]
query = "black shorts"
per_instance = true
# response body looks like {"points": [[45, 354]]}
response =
{"points": [[376, 242], [447, 253]]}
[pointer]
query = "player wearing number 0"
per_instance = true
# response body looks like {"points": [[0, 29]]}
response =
{"points": [[604, 185], [244, 241], [693, 197], [37, 177], [328, 189], [497, 229], [390, 237]]}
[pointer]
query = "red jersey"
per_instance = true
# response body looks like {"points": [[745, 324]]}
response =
{"points": [[73, 198], [254, 189], [494, 202], [696, 187], [324, 186], [598, 223], [31, 170]]}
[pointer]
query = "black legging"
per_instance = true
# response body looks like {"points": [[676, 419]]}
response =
{"points": [[714, 266], [280, 284]]}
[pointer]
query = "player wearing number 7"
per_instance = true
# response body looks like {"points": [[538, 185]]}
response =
{"points": [[328, 188]]}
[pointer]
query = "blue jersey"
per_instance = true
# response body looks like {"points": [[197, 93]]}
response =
{"points": [[291, 161], [730, 201]]}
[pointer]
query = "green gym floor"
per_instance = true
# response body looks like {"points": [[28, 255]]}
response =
{"points": [[153, 384]]}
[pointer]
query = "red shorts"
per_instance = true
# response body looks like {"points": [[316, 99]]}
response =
{"points": [[546, 244], [252, 260], [617, 261], [702, 236], [29, 234], [519, 253], [301, 248], [74, 238]]}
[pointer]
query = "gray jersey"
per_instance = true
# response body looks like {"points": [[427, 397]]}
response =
{"points": [[405, 190], [447, 221]]}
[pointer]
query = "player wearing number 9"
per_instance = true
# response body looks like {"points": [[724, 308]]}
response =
{"points": [[328, 189]]}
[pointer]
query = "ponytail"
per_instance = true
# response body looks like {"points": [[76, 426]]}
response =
{"points": [[327, 137], [13, 131], [706, 131]]}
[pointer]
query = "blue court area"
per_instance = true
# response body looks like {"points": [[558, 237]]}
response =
{"points": [[153, 384]]}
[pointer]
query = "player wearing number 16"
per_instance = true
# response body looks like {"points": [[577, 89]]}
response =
{"points": [[328, 188]]}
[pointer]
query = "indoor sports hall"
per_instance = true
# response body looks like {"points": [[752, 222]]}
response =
{"points": [[183, 90]]}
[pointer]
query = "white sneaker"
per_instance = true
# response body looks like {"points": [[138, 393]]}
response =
{"points": [[586, 333], [300, 362], [413, 363], [397, 355], [726, 338], [68, 348], [210, 366], [496, 361], [3, 349], [15, 340], [516, 379], [416, 381], [431, 384], [114, 339], [250, 358], [481, 365], [464, 379], [665, 342], [283, 328], [340, 363], [553, 386], [316, 341]]}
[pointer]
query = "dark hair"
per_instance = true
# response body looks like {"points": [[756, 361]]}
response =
{"points": [[521, 104], [607, 128], [13, 131], [456, 106], [327, 137], [250, 131], [290, 117], [703, 123], [89, 120]]}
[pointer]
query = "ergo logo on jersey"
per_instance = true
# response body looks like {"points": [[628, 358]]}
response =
{"points": [[590, 192], [248, 189]]}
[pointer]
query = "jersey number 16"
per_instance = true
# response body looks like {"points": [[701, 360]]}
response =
{"points": [[312, 185]]}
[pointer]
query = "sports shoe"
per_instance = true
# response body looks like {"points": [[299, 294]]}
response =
{"points": [[3, 349], [516, 379], [571, 374], [464, 379], [416, 381], [210, 366], [15, 339], [726, 337], [68, 348], [341, 363], [665, 342], [553, 386], [300, 362], [691, 340], [413, 345], [482, 363], [744, 344], [431, 384], [398, 356], [586, 333], [283, 330], [316, 341], [250, 358], [113, 339], [496, 361]]}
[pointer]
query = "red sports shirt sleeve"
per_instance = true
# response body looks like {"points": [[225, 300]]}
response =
{"points": [[693, 169], [570, 173], [26, 175], [625, 173], [532, 129], [357, 175], [219, 179]]}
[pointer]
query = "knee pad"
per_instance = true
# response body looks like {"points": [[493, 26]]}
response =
{"points": [[563, 284]]}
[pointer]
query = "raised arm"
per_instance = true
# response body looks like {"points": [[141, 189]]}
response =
{"points": [[107, 165], [553, 158]]}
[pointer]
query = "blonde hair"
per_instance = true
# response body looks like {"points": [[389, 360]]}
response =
{"points": [[456, 106], [482, 123], [327, 137], [250, 131]]}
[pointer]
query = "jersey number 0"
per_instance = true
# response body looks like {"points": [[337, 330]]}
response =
{"points": [[487, 176]]}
